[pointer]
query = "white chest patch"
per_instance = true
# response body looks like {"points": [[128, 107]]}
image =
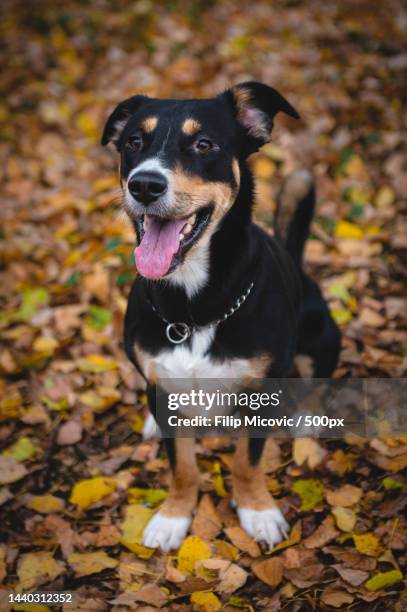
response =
{"points": [[193, 361]]}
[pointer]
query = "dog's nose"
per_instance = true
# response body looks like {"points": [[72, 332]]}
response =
{"points": [[147, 187]]}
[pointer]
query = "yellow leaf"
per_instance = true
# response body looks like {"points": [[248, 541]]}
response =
{"points": [[87, 492], [85, 564], [345, 518], [345, 229], [96, 364], [105, 183], [46, 504], [45, 344], [22, 450], [105, 398], [311, 492], [192, 550], [34, 569], [151, 497], [205, 601], [88, 126], [368, 544], [132, 527], [341, 315], [217, 480], [383, 580], [264, 168]]}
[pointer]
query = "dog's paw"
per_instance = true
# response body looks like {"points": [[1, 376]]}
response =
{"points": [[150, 428], [267, 526], [166, 532]]}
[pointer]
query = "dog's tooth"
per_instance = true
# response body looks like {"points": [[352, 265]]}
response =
{"points": [[146, 221], [187, 229], [192, 219]]}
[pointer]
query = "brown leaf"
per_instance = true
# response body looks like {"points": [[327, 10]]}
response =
{"points": [[270, 571], [69, 433], [346, 496], [207, 523], [336, 599], [323, 534], [239, 538], [355, 577], [11, 470]]}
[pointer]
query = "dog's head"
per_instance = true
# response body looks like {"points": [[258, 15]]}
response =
{"points": [[180, 166]]}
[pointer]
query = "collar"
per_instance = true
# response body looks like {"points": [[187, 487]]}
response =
{"points": [[178, 332]]}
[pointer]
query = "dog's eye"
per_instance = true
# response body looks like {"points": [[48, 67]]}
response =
{"points": [[203, 145], [135, 142]]}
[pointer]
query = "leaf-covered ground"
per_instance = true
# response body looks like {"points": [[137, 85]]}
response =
{"points": [[77, 482]]}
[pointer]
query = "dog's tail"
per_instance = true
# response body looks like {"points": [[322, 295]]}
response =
{"points": [[295, 209]]}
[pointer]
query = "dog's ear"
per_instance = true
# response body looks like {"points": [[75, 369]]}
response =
{"points": [[118, 119], [255, 106]]}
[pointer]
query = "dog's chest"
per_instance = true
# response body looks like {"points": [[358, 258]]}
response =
{"points": [[194, 361]]}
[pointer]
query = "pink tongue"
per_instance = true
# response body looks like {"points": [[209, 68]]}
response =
{"points": [[158, 247]]}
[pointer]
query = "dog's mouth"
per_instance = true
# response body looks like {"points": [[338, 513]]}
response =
{"points": [[163, 242]]}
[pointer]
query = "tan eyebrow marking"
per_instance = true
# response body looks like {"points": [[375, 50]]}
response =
{"points": [[191, 127], [149, 124]]}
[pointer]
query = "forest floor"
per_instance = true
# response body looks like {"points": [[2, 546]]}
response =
{"points": [[77, 481]]}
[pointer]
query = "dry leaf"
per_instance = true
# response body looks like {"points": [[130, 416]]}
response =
{"points": [[35, 569], [270, 571], [193, 549], [307, 450], [87, 492], [241, 540], [85, 564], [345, 496], [345, 518], [11, 470], [322, 535], [206, 523]]}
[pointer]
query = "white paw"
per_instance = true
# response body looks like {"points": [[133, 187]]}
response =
{"points": [[150, 428], [166, 532], [264, 525]]}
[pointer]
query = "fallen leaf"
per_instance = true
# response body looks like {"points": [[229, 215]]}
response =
{"points": [[217, 480], [87, 492], [307, 450], [345, 518], [69, 433], [270, 571], [206, 523], [345, 229], [193, 549], [22, 450], [37, 568], [11, 470], [151, 497], [205, 601], [336, 599], [85, 564], [310, 491], [345, 496], [383, 580], [132, 527], [368, 544], [323, 534], [355, 577], [46, 504], [239, 538]]}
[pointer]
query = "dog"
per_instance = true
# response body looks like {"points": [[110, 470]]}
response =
{"points": [[245, 304]]}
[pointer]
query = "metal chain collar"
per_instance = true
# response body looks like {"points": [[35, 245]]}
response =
{"points": [[179, 332]]}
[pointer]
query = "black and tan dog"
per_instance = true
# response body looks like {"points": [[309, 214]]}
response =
{"points": [[189, 193]]}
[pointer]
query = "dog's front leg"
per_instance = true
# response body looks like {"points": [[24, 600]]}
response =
{"points": [[258, 513], [169, 526]]}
